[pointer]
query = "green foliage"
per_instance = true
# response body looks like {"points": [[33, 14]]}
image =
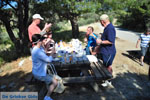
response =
{"points": [[134, 14], [62, 35], [65, 36], [88, 18], [8, 54], [74, 6]]}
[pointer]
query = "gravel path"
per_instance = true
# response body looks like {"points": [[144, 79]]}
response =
{"points": [[121, 33], [127, 35]]}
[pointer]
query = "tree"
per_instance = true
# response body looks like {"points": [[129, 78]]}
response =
{"points": [[16, 17], [71, 9], [133, 14]]}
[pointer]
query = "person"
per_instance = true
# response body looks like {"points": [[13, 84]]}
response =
{"points": [[49, 45], [33, 27], [144, 39], [39, 65], [107, 42], [91, 40]]}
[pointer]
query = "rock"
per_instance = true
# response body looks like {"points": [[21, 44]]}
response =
{"points": [[21, 63], [125, 65]]}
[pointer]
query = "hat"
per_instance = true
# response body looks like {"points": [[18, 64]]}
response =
{"points": [[37, 16], [104, 17]]}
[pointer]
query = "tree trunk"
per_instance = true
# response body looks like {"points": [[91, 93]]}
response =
{"points": [[21, 43], [22, 24], [12, 36], [75, 28]]}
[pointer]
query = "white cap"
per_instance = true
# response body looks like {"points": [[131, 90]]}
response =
{"points": [[37, 16], [104, 17]]}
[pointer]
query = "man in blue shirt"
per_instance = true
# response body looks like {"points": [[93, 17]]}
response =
{"points": [[39, 64], [91, 39], [107, 42]]}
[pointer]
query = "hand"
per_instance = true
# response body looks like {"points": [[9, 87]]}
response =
{"points": [[85, 39], [98, 41], [47, 25], [136, 46]]}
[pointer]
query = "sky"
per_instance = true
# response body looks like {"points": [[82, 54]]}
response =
{"points": [[12, 3]]}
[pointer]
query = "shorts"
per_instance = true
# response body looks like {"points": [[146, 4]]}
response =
{"points": [[143, 51], [108, 59], [88, 50], [47, 79]]}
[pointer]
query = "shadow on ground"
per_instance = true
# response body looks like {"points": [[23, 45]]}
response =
{"points": [[126, 86], [15, 82], [135, 56], [131, 86]]}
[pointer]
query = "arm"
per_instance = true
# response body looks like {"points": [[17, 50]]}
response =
{"points": [[42, 55], [90, 48], [45, 27], [99, 41], [138, 41], [106, 42]]}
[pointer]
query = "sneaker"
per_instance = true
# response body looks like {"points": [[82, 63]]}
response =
{"points": [[109, 83], [142, 64], [47, 98], [106, 83]]}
